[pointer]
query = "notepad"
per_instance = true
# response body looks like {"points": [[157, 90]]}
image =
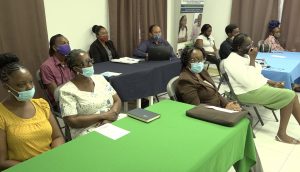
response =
{"points": [[111, 131], [143, 115]]}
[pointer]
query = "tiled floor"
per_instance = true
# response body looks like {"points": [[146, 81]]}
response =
{"points": [[275, 156]]}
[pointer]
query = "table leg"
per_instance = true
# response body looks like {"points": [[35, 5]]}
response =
{"points": [[150, 100], [125, 106], [139, 103]]}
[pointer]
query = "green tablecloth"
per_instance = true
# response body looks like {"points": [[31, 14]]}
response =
{"points": [[174, 143]]}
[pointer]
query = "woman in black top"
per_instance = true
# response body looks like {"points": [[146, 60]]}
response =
{"points": [[102, 49]]}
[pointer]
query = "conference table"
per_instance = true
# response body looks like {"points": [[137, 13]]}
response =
{"points": [[143, 79], [174, 142], [283, 66]]}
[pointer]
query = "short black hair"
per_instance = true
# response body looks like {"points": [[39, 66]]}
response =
{"points": [[186, 54], [52, 43], [9, 63], [73, 56], [238, 41], [230, 28], [204, 28], [97, 28], [151, 27], [273, 24]]}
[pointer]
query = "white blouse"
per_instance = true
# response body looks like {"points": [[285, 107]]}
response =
{"points": [[242, 76], [208, 44], [73, 101]]}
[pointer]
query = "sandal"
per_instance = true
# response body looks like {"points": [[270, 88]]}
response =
{"points": [[294, 141]]}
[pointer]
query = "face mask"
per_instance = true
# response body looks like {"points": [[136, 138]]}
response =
{"points": [[88, 71], [197, 67], [64, 49], [156, 37], [104, 38], [24, 95]]}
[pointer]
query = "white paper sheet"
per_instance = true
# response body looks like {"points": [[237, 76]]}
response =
{"points": [[109, 74], [121, 116], [127, 60], [111, 131], [221, 109]]}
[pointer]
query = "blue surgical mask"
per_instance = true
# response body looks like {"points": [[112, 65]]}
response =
{"points": [[156, 37], [197, 67], [24, 95], [64, 49], [88, 71]]}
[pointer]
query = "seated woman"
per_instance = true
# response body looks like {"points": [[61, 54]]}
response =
{"points": [[206, 41], [182, 32], [27, 126], [195, 85], [88, 100], [274, 34], [102, 49], [253, 88]]}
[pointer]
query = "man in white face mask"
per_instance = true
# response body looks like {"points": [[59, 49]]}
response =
{"points": [[226, 46]]}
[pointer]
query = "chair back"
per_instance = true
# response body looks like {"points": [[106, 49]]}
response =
{"points": [[171, 88], [263, 47], [232, 94]]}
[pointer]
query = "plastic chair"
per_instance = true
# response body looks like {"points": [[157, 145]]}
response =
{"points": [[57, 114], [171, 88], [233, 96]]}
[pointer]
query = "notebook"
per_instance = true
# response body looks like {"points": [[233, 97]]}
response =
{"points": [[159, 53], [143, 115]]}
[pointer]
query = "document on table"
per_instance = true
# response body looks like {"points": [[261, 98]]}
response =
{"points": [[111, 131], [221, 109], [127, 60], [110, 74], [278, 56]]}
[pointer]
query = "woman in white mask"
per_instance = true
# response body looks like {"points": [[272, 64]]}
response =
{"points": [[88, 100], [27, 126], [195, 85]]}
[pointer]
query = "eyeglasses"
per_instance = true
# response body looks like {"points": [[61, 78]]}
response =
{"points": [[197, 60], [86, 63]]}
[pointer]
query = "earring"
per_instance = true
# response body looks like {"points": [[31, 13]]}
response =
{"points": [[8, 91], [77, 73]]}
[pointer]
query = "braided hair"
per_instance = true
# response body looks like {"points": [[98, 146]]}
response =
{"points": [[9, 63], [186, 55], [52, 43]]}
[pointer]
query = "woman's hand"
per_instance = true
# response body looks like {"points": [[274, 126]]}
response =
{"points": [[279, 85], [233, 106]]}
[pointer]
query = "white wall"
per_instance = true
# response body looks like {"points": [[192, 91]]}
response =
{"points": [[74, 19], [217, 13]]}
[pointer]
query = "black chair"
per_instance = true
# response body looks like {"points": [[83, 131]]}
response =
{"points": [[231, 95], [56, 113]]}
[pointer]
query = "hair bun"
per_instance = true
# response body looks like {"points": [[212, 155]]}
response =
{"points": [[7, 58], [95, 28]]}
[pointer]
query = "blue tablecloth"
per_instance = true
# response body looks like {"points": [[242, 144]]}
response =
{"points": [[284, 66]]}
